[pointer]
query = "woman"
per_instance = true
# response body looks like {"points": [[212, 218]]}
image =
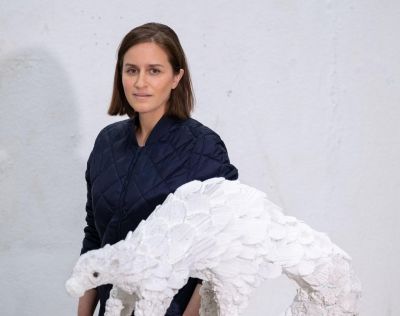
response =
{"points": [[137, 162]]}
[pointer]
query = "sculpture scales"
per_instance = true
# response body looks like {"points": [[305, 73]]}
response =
{"points": [[232, 237]]}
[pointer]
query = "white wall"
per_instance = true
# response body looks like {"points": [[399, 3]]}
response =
{"points": [[305, 94]]}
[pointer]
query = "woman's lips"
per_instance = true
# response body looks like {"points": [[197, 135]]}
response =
{"points": [[141, 96]]}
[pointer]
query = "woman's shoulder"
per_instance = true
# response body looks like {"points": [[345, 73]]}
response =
{"points": [[197, 129], [113, 131]]}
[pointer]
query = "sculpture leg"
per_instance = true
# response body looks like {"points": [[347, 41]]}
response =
{"points": [[209, 305], [229, 300], [114, 305], [128, 302], [148, 307], [330, 289]]}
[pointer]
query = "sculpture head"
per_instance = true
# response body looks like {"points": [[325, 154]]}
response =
{"points": [[93, 269]]}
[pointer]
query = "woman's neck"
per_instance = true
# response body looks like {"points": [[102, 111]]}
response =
{"points": [[146, 125]]}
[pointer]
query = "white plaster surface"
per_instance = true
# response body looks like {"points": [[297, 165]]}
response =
{"points": [[305, 94]]}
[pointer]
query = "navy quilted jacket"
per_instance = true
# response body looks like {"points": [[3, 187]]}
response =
{"points": [[126, 182]]}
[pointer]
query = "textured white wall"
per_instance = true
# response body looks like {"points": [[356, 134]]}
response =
{"points": [[305, 94]]}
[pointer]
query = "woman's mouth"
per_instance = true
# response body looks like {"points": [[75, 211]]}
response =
{"points": [[141, 95]]}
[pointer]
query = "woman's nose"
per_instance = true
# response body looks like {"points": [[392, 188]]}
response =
{"points": [[140, 79]]}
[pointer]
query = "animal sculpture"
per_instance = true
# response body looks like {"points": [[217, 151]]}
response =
{"points": [[232, 237]]}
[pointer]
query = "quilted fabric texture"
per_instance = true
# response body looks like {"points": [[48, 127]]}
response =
{"points": [[126, 182]]}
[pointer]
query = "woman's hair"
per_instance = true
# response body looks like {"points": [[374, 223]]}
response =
{"points": [[181, 101]]}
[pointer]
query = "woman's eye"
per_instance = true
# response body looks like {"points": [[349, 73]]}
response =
{"points": [[154, 71], [131, 71]]}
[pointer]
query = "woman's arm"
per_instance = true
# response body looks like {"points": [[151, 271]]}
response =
{"points": [[91, 239], [87, 303], [209, 159], [193, 308]]}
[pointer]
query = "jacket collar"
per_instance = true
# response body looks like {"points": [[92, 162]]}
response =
{"points": [[161, 128]]}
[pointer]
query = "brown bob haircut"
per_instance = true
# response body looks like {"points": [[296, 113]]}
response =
{"points": [[181, 101]]}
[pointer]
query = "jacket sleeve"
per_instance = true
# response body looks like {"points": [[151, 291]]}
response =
{"points": [[210, 159], [91, 238]]}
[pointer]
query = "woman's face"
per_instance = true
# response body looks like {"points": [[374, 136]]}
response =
{"points": [[148, 78]]}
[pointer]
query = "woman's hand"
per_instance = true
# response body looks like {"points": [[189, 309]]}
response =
{"points": [[193, 308], [87, 303]]}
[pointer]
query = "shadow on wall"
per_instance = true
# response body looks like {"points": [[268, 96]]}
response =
{"points": [[41, 184]]}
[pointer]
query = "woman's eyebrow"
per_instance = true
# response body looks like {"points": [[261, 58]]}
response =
{"points": [[149, 65]]}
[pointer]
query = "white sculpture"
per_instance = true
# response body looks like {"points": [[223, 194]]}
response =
{"points": [[232, 237]]}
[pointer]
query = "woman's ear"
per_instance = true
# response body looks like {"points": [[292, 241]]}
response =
{"points": [[177, 78]]}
